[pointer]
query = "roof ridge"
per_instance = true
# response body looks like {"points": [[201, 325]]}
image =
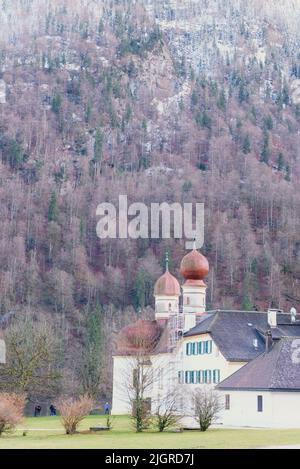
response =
{"points": [[279, 346], [214, 319], [235, 311], [239, 369]]}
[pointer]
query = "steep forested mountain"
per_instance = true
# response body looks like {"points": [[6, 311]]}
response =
{"points": [[189, 101]]}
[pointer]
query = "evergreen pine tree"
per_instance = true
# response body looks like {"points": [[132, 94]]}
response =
{"points": [[265, 153], [246, 145], [53, 209], [280, 162]]}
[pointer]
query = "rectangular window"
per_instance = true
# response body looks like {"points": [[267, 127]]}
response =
{"points": [[194, 348], [259, 403], [216, 376], [227, 401], [200, 348], [198, 377], [188, 348], [135, 377], [209, 346], [208, 376], [190, 377], [160, 378], [204, 376]]}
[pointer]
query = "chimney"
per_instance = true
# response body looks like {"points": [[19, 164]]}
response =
{"points": [[272, 317], [255, 344], [293, 313], [268, 340], [189, 321]]}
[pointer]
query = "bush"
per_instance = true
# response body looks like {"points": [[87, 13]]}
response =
{"points": [[207, 406], [11, 411], [73, 411], [166, 414]]}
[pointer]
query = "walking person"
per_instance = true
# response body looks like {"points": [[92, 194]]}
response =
{"points": [[37, 410], [107, 408]]}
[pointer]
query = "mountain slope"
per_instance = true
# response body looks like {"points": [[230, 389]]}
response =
{"points": [[163, 101]]}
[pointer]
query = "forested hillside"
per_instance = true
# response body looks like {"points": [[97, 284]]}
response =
{"points": [[189, 101]]}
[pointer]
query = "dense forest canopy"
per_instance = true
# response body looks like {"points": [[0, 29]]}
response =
{"points": [[176, 101]]}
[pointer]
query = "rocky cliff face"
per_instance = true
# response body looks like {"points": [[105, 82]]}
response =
{"points": [[208, 34]]}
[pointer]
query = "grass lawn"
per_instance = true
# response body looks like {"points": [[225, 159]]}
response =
{"points": [[47, 432]]}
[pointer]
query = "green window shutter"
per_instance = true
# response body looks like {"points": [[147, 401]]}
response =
{"points": [[198, 380], [186, 377], [210, 346], [206, 346], [204, 376], [200, 348], [194, 348], [208, 376], [187, 349], [216, 376]]}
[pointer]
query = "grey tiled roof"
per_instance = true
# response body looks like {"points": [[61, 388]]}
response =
{"points": [[235, 331], [273, 370]]}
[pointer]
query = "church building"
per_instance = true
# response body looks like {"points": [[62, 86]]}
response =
{"points": [[186, 347]]}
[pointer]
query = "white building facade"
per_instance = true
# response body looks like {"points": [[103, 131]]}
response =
{"points": [[188, 348]]}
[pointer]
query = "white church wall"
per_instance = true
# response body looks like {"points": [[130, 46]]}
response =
{"points": [[122, 369], [164, 305], [162, 380], [194, 298], [279, 409]]}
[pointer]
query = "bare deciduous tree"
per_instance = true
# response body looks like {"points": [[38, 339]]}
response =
{"points": [[33, 359], [167, 412], [139, 376], [141, 381], [207, 406]]}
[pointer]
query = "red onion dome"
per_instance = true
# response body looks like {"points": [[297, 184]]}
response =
{"points": [[194, 266], [167, 285]]}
